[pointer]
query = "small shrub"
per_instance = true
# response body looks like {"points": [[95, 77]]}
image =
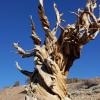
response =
{"points": [[72, 80], [17, 83]]}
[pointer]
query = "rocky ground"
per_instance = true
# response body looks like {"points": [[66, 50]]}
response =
{"points": [[13, 93], [85, 90], [79, 90]]}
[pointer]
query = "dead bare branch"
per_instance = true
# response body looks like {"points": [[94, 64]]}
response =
{"points": [[27, 73], [43, 17], [58, 19], [34, 36], [22, 52]]}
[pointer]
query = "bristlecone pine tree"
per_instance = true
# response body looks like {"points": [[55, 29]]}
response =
{"points": [[55, 57]]}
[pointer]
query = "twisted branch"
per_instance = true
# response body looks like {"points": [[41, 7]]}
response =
{"points": [[34, 36]]}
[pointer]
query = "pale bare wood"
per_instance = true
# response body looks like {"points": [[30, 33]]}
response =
{"points": [[34, 36]]}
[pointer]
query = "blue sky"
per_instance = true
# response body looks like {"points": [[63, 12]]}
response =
{"points": [[15, 27]]}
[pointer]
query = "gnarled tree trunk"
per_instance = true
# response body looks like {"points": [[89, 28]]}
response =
{"points": [[55, 57]]}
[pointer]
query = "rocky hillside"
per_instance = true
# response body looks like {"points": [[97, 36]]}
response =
{"points": [[14, 93], [85, 89], [78, 90]]}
